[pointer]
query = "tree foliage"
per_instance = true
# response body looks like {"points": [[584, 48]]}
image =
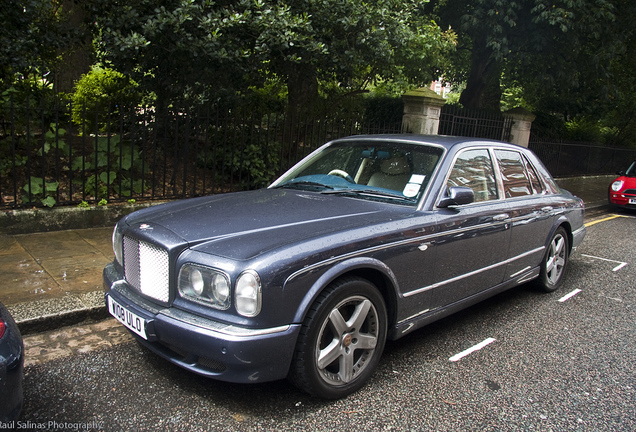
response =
{"points": [[200, 47], [31, 36], [546, 46], [573, 58]]}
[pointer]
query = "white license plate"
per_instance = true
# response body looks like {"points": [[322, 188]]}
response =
{"points": [[132, 321], [632, 200]]}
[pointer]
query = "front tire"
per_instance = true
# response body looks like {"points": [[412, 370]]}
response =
{"points": [[555, 262], [341, 340]]}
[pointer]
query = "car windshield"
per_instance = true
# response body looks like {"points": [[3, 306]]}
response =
{"points": [[631, 171], [373, 170]]}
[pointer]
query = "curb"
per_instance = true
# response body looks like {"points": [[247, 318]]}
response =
{"points": [[29, 221], [51, 314]]}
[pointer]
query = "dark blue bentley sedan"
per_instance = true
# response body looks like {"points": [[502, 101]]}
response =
{"points": [[367, 238]]}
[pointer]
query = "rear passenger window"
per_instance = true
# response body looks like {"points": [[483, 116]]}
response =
{"points": [[513, 173], [534, 178], [473, 169]]}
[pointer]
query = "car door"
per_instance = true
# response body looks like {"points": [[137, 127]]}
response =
{"points": [[531, 212], [472, 242]]}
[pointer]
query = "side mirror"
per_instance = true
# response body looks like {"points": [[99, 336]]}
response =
{"points": [[457, 196]]}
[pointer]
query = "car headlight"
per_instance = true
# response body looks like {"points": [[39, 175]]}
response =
{"points": [[204, 285], [247, 296], [617, 185], [118, 248]]}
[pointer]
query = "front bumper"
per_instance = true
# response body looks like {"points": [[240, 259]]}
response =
{"points": [[623, 201], [209, 348]]}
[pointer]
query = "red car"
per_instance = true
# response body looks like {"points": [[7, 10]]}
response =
{"points": [[622, 191]]}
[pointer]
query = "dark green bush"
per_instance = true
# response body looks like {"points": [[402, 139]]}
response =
{"points": [[100, 96]]}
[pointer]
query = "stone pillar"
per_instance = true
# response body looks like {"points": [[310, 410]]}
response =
{"points": [[521, 124], [422, 109]]}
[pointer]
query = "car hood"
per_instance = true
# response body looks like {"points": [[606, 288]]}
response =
{"points": [[244, 224], [629, 182]]}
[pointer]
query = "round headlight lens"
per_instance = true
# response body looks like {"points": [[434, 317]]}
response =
{"points": [[196, 279], [221, 288], [248, 294], [617, 185]]}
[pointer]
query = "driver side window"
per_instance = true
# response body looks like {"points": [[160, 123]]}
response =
{"points": [[474, 169]]}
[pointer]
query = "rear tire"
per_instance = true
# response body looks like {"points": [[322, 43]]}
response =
{"points": [[341, 340], [554, 262]]}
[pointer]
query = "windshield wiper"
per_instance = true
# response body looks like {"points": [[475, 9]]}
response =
{"points": [[370, 192], [300, 184]]}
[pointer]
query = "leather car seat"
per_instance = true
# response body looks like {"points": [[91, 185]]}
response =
{"points": [[394, 174]]}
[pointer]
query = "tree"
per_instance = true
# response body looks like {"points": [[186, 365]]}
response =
{"points": [[354, 43], [545, 46], [192, 48], [32, 34]]}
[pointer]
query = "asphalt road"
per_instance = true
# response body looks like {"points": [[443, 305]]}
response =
{"points": [[553, 365]]}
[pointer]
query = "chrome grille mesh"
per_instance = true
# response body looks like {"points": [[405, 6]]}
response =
{"points": [[146, 268]]}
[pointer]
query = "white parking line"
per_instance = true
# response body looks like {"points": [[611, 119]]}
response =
{"points": [[470, 350], [570, 295], [617, 268], [620, 265]]}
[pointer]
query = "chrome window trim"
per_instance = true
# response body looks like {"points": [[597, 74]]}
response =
{"points": [[472, 273], [529, 166], [522, 158]]}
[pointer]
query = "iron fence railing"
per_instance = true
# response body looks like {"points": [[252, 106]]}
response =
{"points": [[47, 158], [568, 159], [459, 121]]}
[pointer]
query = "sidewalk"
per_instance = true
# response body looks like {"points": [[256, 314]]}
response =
{"points": [[55, 278], [52, 279]]}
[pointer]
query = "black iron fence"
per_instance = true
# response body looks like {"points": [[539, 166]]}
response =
{"points": [[459, 121], [48, 157], [568, 159]]}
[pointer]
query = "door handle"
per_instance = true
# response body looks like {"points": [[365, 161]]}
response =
{"points": [[547, 209], [501, 217]]}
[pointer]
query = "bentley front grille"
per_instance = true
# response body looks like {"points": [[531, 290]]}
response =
{"points": [[147, 268]]}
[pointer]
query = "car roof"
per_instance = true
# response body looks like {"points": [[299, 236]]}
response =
{"points": [[445, 141]]}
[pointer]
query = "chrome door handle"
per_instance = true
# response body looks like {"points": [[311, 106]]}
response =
{"points": [[547, 209], [501, 217]]}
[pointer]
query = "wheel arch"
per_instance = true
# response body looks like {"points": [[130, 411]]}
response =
{"points": [[372, 270], [565, 223]]}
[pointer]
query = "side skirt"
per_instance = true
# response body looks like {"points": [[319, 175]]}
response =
{"points": [[404, 327]]}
